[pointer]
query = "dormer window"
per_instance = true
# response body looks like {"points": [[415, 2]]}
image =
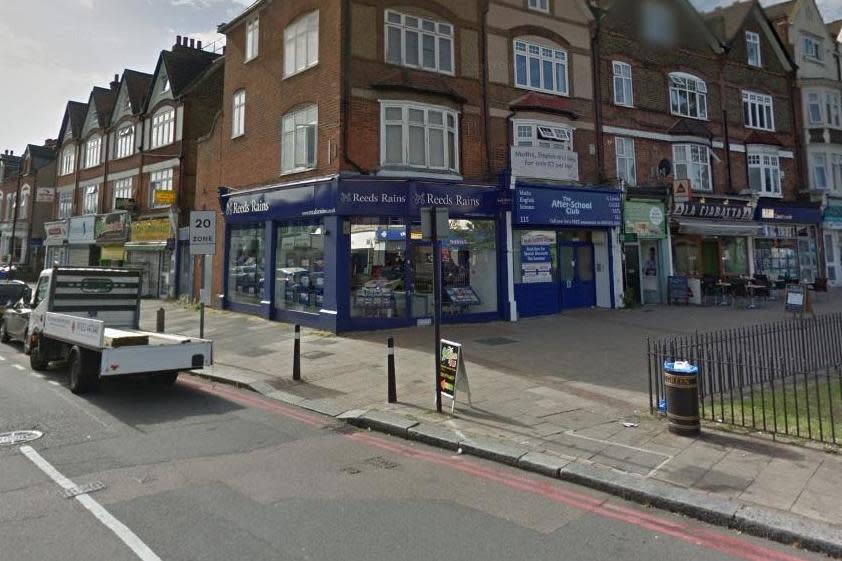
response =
{"points": [[688, 96], [68, 160], [125, 142], [753, 48], [163, 127], [812, 49], [419, 42]]}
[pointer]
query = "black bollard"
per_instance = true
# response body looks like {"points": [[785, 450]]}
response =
{"points": [[159, 321], [296, 354], [392, 391], [202, 320]]}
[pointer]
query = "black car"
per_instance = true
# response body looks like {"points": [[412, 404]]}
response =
{"points": [[11, 292]]}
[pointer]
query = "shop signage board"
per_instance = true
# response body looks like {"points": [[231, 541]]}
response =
{"points": [[110, 227], [202, 232], [165, 197], [833, 217], [682, 191], [55, 232], [153, 230], [645, 219], [798, 299], [678, 290], [789, 214], [453, 375], [122, 203], [567, 207], [545, 163], [81, 229], [45, 194], [718, 210], [536, 257]]}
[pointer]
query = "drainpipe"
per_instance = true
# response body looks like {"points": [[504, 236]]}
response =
{"points": [[486, 6], [728, 150], [105, 168], [597, 97], [345, 69], [31, 211], [14, 225]]}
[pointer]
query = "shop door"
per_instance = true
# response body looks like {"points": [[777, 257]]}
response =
{"points": [[576, 273], [710, 258], [632, 273]]}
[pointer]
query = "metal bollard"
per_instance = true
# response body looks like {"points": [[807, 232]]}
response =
{"points": [[296, 354], [202, 320], [159, 321], [392, 391]]}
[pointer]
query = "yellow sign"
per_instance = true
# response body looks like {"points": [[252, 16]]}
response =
{"points": [[164, 197], [155, 230], [112, 253]]}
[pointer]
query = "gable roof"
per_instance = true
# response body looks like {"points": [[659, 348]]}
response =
{"points": [[183, 65], [728, 21], [835, 28], [42, 152], [74, 117], [780, 11], [102, 101], [137, 85]]}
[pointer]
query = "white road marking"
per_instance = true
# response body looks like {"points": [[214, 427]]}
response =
{"points": [[143, 552], [2, 358], [53, 382], [37, 375], [18, 366]]}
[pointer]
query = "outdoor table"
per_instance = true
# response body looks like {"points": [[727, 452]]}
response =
{"points": [[722, 287], [751, 287]]}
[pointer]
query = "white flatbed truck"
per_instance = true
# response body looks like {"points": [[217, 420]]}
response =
{"points": [[90, 317]]}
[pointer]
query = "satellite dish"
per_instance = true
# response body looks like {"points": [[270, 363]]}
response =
{"points": [[664, 168]]}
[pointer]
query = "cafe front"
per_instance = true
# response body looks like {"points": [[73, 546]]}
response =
{"points": [[646, 251], [348, 254]]}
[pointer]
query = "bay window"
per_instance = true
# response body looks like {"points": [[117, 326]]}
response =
{"points": [[819, 171], [758, 111], [419, 136], [418, 42], [125, 142], [301, 44], [545, 135], [764, 174], [814, 108], [163, 127], [540, 68], [692, 161], [93, 152], [688, 96], [299, 139]]}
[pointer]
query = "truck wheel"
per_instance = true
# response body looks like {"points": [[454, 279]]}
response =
{"points": [[84, 370], [4, 335], [38, 355], [165, 378]]}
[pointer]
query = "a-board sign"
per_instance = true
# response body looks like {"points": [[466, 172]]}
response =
{"points": [[453, 373], [679, 290], [798, 299]]}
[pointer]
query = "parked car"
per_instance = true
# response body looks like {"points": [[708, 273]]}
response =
{"points": [[4, 271], [11, 292], [15, 321]]}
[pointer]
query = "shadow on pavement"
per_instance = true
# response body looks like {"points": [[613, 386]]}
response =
{"points": [[754, 446]]}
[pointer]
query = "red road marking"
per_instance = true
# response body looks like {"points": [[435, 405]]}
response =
{"points": [[703, 537]]}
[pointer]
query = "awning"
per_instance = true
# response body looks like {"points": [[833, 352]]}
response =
{"points": [[717, 228]]}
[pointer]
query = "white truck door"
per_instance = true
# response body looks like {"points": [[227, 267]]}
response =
{"points": [[40, 300]]}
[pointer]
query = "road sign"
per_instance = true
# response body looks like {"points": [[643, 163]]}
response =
{"points": [[202, 232]]}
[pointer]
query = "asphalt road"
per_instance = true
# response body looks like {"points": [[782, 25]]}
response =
{"points": [[204, 472]]}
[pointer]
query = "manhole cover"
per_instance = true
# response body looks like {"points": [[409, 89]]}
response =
{"points": [[19, 437]]}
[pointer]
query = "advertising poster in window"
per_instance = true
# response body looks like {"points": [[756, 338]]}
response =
{"points": [[536, 257]]}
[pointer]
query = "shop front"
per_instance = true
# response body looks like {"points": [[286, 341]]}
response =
{"points": [[82, 250], [786, 248], [150, 249], [711, 239], [55, 241], [832, 228], [348, 254], [646, 251], [110, 231], [565, 247]]}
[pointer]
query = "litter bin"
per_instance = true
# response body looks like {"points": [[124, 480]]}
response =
{"points": [[682, 393]]}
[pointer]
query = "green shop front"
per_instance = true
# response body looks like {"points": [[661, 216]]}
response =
{"points": [[646, 253]]}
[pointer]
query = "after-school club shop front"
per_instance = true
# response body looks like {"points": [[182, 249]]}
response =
{"points": [[347, 253]]}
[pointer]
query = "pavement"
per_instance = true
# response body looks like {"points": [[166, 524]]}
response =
{"points": [[564, 396]]}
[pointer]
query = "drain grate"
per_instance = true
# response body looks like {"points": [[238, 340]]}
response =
{"points": [[495, 341], [19, 437]]}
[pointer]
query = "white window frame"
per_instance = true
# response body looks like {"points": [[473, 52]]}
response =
{"points": [[65, 204], [623, 84], [303, 33], [124, 141], [252, 46], [542, 134], [162, 130], [835, 172], [753, 48], [539, 5], [818, 163], [93, 152], [695, 159], [544, 55], [23, 205], [68, 160], [768, 165], [694, 88], [123, 189], [626, 161], [295, 130], [758, 111], [161, 180], [449, 129], [238, 114], [833, 108], [438, 33], [90, 199], [811, 54], [814, 101], [10, 206]]}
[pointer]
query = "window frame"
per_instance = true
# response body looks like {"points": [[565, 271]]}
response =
{"points": [[65, 211], [815, 166], [23, 204], [10, 206], [535, 135], [766, 162], [165, 175], [698, 92], [433, 30], [301, 26], [301, 110], [238, 113], [93, 146], [68, 159], [124, 139], [689, 163], [626, 159], [251, 49], [536, 6], [625, 80], [90, 193], [805, 39], [753, 42], [765, 110], [119, 188], [558, 57], [447, 114], [159, 123]]}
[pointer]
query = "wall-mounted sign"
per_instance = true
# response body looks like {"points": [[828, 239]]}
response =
{"points": [[153, 230], [567, 207], [122, 203], [833, 217], [110, 227], [81, 229], [645, 219], [545, 163], [682, 191], [55, 233], [536, 259], [45, 194], [718, 210], [164, 197], [769, 212]]}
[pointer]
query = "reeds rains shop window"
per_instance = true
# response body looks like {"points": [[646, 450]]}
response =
{"points": [[299, 267], [246, 265], [378, 268]]}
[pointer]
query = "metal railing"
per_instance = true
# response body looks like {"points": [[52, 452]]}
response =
{"points": [[783, 377]]}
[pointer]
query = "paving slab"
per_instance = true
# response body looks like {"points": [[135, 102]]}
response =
{"points": [[493, 449], [385, 421], [545, 464], [435, 435]]}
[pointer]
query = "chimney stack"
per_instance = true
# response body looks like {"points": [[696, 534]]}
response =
{"points": [[192, 43], [115, 84], [177, 40], [199, 45]]}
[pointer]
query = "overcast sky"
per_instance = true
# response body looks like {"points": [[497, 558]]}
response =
{"points": [[55, 50]]}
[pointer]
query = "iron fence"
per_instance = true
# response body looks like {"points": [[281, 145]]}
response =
{"points": [[783, 377]]}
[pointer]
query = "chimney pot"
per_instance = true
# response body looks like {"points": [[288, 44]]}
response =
{"points": [[192, 43], [199, 45], [178, 39]]}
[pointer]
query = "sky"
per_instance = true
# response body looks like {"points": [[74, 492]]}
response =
{"points": [[52, 51]]}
